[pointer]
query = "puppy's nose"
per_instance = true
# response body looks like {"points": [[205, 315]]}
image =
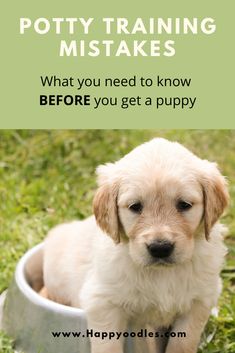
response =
{"points": [[160, 249]]}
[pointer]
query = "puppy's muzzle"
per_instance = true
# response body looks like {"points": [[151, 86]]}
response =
{"points": [[160, 249]]}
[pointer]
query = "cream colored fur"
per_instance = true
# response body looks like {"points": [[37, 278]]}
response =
{"points": [[103, 265]]}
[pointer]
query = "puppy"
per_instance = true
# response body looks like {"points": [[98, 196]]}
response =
{"points": [[153, 252]]}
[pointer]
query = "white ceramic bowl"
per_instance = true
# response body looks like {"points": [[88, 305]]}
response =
{"points": [[30, 319]]}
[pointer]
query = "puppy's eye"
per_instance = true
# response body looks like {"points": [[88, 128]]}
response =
{"points": [[136, 207], [183, 206]]}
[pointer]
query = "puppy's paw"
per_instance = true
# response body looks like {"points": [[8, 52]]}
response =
{"points": [[44, 292]]}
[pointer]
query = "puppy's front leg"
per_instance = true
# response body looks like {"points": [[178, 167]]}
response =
{"points": [[192, 324], [108, 322]]}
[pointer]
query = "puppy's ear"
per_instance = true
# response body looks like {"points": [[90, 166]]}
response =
{"points": [[216, 197], [105, 205]]}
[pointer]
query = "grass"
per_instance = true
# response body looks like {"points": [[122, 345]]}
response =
{"points": [[47, 177]]}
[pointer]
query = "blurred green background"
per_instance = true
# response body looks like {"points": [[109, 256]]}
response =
{"points": [[48, 177]]}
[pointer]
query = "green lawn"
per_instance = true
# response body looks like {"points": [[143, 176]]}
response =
{"points": [[47, 177]]}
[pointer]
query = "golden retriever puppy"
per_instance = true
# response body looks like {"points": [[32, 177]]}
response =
{"points": [[153, 252]]}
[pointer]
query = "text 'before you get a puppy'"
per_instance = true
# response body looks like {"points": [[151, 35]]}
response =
{"points": [[124, 102]]}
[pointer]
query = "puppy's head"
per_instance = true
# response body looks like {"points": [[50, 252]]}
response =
{"points": [[157, 198]]}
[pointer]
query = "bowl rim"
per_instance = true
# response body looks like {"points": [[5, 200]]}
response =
{"points": [[33, 296]]}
